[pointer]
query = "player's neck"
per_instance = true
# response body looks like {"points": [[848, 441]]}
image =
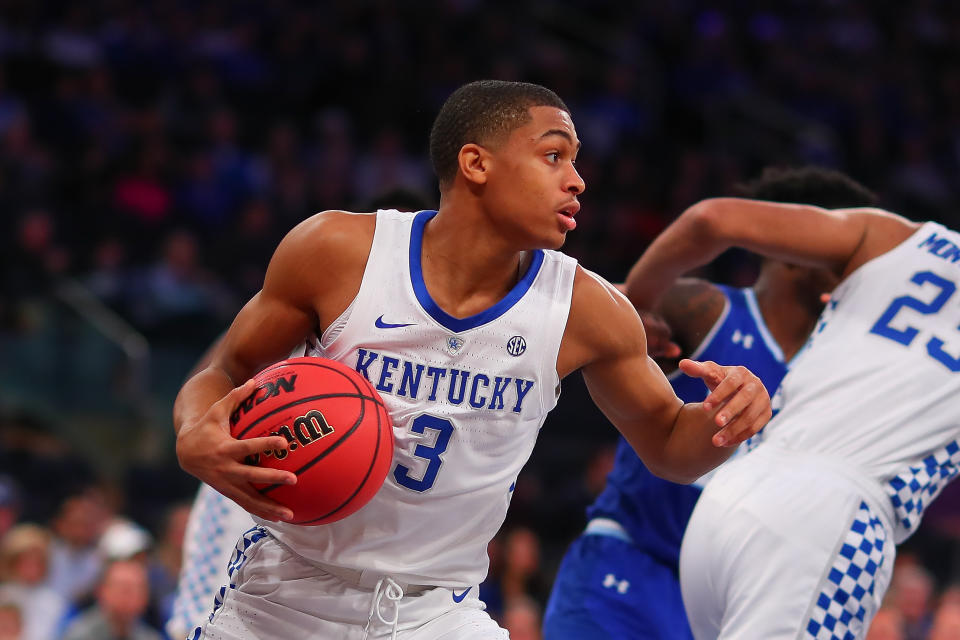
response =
{"points": [[467, 268]]}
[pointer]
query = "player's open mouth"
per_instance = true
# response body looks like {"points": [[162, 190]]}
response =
{"points": [[566, 216]]}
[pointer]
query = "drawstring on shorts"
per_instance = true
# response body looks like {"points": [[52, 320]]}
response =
{"points": [[389, 588]]}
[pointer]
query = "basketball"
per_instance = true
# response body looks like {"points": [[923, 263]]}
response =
{"points": [[340, 435]]}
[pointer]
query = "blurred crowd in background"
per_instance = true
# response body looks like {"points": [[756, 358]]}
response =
{"points": [[152, 154]]}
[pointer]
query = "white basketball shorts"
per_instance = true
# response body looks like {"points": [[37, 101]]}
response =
{"points": [[785, 545], [274, 593]]}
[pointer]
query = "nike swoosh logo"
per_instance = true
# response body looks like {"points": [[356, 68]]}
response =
{"points": [[459, 598], [380, 324]]}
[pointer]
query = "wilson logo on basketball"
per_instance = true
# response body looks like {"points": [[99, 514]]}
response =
{"points": [[306, 430], [270, 388]]}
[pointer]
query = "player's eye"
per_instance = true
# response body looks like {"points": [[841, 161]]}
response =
{"points": [[554, 156]]}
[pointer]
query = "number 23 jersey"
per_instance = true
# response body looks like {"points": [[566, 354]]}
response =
{"points": [[467, 398], [889, 334]]}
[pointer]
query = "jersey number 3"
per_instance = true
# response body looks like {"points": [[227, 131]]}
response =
{"points": [[444, 429], [882, 327]]}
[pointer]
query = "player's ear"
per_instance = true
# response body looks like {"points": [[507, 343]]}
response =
{"points": [[474, 163]]}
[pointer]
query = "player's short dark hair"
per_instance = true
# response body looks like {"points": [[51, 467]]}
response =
{"points": [[482, 112], [808, 185]]}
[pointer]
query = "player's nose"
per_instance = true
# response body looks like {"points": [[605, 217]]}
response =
{"points": [[575, 183]]}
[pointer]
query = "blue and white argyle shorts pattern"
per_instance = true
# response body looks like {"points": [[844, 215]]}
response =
{"points": [[849, 593], [237, 560], [215, 524], [912, 490]]}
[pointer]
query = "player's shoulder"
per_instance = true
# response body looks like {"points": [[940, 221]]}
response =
{"points": [[590, 289], [329, 242], [334, 225], [692, 296], [691, 307], [329, 235], [882, 232], [601, 317]]}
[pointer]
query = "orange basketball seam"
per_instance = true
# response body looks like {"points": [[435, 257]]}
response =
{"points": [[325, 452]]}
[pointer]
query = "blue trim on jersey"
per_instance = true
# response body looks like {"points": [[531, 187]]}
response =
{"points": [[433, 309], [750, 297]]}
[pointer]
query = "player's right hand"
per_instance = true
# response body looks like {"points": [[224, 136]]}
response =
{"points": [[206, 450], [737, 396]]}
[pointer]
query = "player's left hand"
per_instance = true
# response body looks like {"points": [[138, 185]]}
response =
{"points": [[659, 336], [741, 401]]}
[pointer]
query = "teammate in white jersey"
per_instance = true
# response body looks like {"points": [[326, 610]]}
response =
{"points": [[620, 579], [466, 321], [797, 539]]}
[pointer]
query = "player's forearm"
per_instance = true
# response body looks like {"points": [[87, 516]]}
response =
{"points": [[689, 452], [198, 394], [694, 239]]}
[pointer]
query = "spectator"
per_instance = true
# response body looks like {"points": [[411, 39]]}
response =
{"points": [[24, 561], [912, 590], [123, 539], [522, 619], [122, 597], [946, 622], [522, 574], [886, 625], [75, 561], [178, 297], [37, 260], [109, 278], [144, 195]]}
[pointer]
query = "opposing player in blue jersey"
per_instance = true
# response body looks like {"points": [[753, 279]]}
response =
{"points": [[620, 578], [797, 539], [465, 319]]}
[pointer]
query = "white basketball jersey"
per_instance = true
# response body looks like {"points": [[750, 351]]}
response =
{"points": [[877, 386], [467, 398]]}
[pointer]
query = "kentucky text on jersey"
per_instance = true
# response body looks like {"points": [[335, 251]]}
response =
{"points": [[406, 379], [941, 247]]}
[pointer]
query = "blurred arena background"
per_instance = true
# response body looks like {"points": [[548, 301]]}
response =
{"points": [[152, 154]]}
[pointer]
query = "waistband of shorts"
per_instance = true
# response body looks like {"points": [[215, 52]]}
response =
{"points": [[607, 527], [360, 578], [870, 487]]}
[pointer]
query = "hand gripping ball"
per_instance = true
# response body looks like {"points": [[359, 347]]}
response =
{"points": [[339, 433]]}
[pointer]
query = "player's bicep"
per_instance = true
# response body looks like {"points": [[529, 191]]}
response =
{"points": [[265, 330], [623, 380]]}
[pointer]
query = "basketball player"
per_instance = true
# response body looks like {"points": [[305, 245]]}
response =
{"points": [[620, 579], [797, 539], [466, 325], [216, 522]]}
